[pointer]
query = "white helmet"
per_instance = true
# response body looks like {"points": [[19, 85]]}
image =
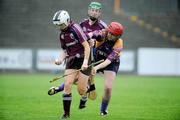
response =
{"points": [[61, 18]]}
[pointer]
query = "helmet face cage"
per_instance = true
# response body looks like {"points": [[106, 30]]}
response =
{"points": [[94, 10], [62, 19], [115, 30], [112, 37]]}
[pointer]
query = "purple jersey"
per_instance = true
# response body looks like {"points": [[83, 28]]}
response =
{"points": [[108, 49], [71, 39], [104, 49], [98, 25]]}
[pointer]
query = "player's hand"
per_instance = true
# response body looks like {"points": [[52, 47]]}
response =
{"points": [[94, 71], [84, 66], [58, 61], [90, 34], [91, 42]]}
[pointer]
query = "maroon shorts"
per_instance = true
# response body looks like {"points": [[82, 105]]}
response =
{"points": [[76, 63]]}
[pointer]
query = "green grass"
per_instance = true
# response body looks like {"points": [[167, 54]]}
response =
{"points": [[24, 97]]}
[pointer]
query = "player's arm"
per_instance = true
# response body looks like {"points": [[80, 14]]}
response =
{"points": [[99, 35], [83, 40], [102, 65], [61, 58], [86, 54], [115, 54]]}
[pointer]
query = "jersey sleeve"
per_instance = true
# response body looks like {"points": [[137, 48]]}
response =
{"points": [[103, 24], [82, 22], [99, 35], [81, 35], [117, 48]]}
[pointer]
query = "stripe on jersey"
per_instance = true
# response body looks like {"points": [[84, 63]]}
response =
{"points": [[81, 31], [103, 24]]}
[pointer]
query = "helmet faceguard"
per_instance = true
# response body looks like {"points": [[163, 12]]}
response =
{"points": [[62, 19], [94, 10]]}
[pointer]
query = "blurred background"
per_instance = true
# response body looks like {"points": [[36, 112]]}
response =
{"points": [[146, 88], [29, 41]]}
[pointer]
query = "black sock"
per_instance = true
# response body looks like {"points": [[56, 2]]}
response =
{"points": [[91, 88], [67, 103], [83, 101]]}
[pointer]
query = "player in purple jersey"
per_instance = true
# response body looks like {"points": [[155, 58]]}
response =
{"points": [[88, 25], [76, 55], [108, 47]]}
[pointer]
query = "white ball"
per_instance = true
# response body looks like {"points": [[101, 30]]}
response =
{"points": [[56, 60]]}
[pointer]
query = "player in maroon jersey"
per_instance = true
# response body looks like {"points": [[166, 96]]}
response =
{"points": [[93, 22], [76, 52], [90, 24]]}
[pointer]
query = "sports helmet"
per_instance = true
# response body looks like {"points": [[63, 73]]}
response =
{"points": [[61, 18], [95, 5], [94, 15], [115, 28]]}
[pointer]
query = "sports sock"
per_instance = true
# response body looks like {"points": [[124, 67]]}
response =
{"points": [[104, 105], [84, 98], [67, 103], [61, 87], [83, 101]]}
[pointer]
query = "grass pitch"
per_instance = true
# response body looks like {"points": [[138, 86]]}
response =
{"points": [[24, 97]]}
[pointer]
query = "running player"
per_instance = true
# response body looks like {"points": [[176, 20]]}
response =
{"points": [[76, 54], [108, 47]]}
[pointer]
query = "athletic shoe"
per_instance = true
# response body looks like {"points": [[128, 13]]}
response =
{"points": [[82, 104], [103, 113], [91, 93], [53, 90], [91, 88]]}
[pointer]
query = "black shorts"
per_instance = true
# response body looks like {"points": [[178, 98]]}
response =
{"points": [[76, 63], [114, 66]]}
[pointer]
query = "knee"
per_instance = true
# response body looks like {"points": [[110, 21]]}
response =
{"points": [[82, 91], [108, 88], [67, 85]]}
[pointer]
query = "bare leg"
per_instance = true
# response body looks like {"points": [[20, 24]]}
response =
{"points": [[82, 89], [109, 78]]}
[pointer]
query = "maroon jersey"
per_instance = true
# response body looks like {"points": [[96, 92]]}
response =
{"points": [[98, 25], [72, 38]]}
